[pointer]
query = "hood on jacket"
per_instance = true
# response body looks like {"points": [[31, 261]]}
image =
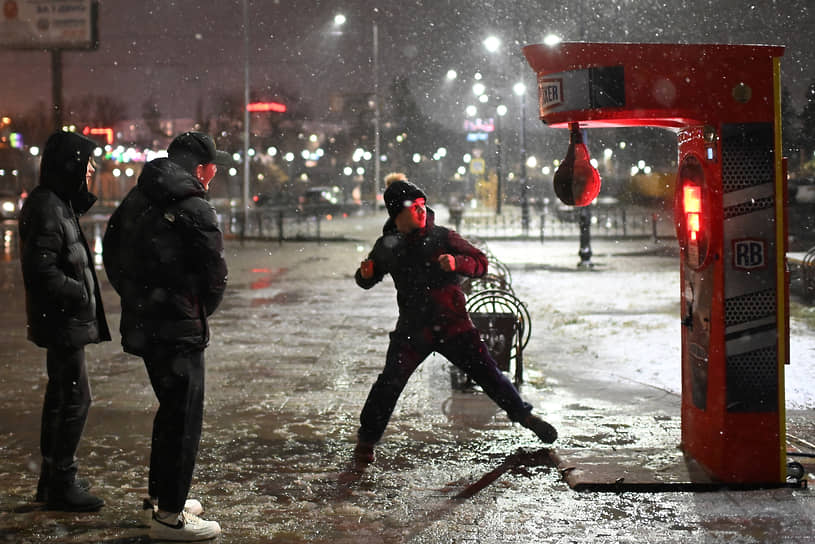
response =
{"points": [[165, 182], [63, 167]]}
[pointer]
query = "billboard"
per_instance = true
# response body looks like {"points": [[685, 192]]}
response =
{"points": [[49, 24]]}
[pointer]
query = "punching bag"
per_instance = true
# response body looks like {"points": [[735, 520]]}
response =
{"points": [[577, 182]]}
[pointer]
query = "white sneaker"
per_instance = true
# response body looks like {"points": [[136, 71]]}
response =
{"points": [[187, 528], [191, 506]]}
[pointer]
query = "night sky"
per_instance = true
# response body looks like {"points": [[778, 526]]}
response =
{"points": [[183, 52]]}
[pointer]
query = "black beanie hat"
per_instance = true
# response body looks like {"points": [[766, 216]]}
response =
{"points": [[399, 195]]}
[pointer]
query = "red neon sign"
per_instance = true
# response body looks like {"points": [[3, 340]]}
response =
{"points": [[106, 132], [692, 201], [276, 107]]}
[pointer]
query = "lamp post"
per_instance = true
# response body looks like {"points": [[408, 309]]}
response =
{"points": [[245, 193], [492, 44], [480, 90], [501, 110], [520, 90], [339, 20], [377, 159], [438, 156]]}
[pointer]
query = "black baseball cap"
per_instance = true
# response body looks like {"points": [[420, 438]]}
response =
{"points": [[193, 148]]}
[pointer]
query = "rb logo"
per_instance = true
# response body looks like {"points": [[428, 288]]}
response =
{"points": [[749, 254]]}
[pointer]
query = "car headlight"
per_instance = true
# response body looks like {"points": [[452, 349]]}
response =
{"points": [[8, 206]]}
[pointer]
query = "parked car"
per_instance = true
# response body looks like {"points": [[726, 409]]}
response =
{"points": [[801, 191], [320, 201], [16, 174], [10, 203], [800, 207]]}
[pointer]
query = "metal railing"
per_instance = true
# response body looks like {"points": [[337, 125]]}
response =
{"points": [[607, 222], [288, 223]]}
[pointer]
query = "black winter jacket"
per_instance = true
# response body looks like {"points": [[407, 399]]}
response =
{"points": [[428, 297], [63, 302], [163, 253]]}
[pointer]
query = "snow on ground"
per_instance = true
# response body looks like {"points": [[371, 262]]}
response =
{"points": [[621, 319]]}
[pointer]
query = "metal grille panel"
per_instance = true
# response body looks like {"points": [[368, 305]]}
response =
{"points": [[747, 156], [752, 381], [749, 307], [743, 208], [748, 162]]}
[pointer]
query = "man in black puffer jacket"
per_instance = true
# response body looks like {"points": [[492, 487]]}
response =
{"points": [[163, 253], [64, 310], [425, 261]]}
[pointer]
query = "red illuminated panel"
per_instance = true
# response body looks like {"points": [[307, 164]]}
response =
{"points": [[106, 132], [276, 107], [692, 199], [692, 203]]}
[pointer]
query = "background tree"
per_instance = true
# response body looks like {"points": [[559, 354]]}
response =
{"points": [[34, 124], [152, 120], [409, 131], [790, 131], [280, 130], [807, 129], [109, 110], [96, 110]]}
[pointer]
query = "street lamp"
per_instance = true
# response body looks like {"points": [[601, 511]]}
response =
{"points": [[438, 156], [245, 191], [492, 43], [480, 90], [340, 20], [501, 110], [520, 90]]}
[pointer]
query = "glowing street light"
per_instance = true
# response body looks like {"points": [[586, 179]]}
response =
{"points": [[492, 44], [552, 40]]}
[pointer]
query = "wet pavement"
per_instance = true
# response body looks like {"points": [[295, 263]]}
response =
{"points": [[296, 346]]}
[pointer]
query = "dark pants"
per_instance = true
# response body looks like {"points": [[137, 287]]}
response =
{"points": [[178, 381], [64, 412], [465, 350]]}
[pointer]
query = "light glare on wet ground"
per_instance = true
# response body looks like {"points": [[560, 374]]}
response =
{"points": [[296, 347]]}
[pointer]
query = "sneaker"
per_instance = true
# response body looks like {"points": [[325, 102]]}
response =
{"points": [[364, 452], [185, 527], [546, 432], [150, 505], [72, 498]]}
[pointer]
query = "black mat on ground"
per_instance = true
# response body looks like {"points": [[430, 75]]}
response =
{"points": [[644, 470]]}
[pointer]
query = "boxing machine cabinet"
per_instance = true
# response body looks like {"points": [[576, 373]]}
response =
{"points": [[723, 102]]}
